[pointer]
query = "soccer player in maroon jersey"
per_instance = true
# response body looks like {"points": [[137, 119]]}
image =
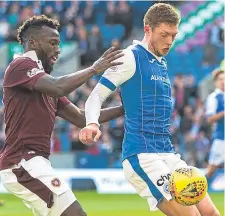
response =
{"points": [[32, 99]]}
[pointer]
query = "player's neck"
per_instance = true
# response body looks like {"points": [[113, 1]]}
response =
{"points": [[150, 48], [219, 88]]}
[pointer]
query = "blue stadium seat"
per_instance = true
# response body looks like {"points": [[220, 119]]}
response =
{"points": [[101, 5], [100, 18], [109, 32], [139, 8]]}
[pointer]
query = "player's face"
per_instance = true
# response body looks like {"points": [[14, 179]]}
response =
{"points": [[160, 38], [48, 48], [220, 82]]}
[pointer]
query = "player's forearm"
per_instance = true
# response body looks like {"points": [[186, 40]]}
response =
{"points": [[93, 106], [214, 118], [110, 113], [62, 86], [69, 83], [106, 115]]}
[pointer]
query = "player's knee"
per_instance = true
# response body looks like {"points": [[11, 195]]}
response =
{"points": [[213, 214], [216, 213], [210, 213]]}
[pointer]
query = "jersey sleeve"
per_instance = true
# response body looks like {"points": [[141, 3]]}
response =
{"points": [[117, 75], [62, 102], [211, 105], [110, 80], [23, 73]]}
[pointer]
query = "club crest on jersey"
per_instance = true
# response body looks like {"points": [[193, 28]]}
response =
{"points": [[164, 63], [152, 61], [166, 187], [56, 182], [114, 68], [33, 72]]}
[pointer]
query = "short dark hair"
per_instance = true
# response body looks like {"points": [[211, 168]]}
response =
{"points": [[35, 22], [161, 13]]}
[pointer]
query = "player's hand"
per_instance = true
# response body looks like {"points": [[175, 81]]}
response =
{"points": [[90, 134], [107, 60]]}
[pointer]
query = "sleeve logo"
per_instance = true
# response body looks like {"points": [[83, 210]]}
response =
{"points": [[34, 72], [113, 69]]}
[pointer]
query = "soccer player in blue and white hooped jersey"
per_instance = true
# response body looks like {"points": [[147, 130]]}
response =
{"points": [[215, 115], [148, 154]]}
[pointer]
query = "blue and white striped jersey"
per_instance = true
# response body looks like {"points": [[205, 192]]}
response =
{"points": [[214, 105], [146, 94]]}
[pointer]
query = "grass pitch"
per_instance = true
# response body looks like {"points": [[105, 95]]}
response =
{"points": [[100, 205]]}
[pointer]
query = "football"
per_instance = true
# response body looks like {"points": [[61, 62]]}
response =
{"points": [[188, 186]]}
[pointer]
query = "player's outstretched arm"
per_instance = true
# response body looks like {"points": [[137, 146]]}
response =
{"points": [[61, 86], [111, 79], [76, 116]]}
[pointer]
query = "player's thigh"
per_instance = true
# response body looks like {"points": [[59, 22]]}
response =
{"points": [[173, 161], [38, 188], [149, 175], [63, 197], [212, 168], [207, 208], [172, 208], [216, 155], [30, 199], [66, 205]]}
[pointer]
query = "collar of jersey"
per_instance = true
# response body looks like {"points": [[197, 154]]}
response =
{"points": [[145, 46], [32, 55], [217, 90]]}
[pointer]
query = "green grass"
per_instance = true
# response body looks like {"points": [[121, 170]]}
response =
{"points": [[100, 205]]}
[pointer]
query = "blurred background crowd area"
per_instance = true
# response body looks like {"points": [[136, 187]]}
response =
{"points": [[87, 29]]}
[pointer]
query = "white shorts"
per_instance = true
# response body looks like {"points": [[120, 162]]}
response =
{"points": [[216, 155], [149, 174], [36, 183]]}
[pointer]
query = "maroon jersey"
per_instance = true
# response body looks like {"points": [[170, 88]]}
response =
{"points": [[29, 115]]}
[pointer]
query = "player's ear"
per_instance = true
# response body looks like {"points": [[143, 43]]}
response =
{"points": [[32, 43], [147, 29]]}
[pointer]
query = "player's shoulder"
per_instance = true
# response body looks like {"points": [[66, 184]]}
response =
{"points": [[127, 59], [22, 61], [214, 93], [130, 48], [212, 96], [18, 68], [128, 54]]}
